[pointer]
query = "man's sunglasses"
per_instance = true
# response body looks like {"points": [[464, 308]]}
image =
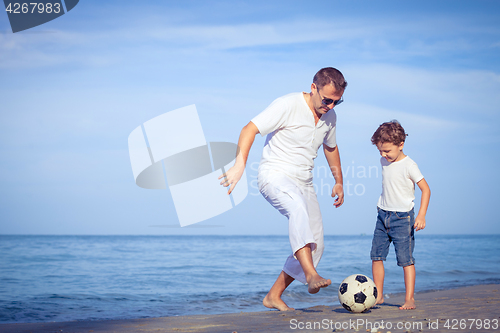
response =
{"points": [[328, 101]]}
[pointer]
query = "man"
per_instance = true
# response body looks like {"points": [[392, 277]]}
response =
{"points": [[296, 126]]}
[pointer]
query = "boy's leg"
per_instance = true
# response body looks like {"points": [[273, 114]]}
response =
{"points": [[273, 298], [379, 251], [403, 235], [410, 288], [378, 273]]}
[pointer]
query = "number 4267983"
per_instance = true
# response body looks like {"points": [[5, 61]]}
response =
{"points": [[462, 324], [33, 7]]}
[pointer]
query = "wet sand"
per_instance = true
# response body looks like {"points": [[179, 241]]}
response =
{"points": [[467, 309]]}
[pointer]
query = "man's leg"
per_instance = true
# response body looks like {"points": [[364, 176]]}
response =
{"points": [[306, 220], [314, 280], [305, 230], [273, 298]]}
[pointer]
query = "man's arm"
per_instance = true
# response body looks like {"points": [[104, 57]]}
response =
{"points": [[333, 158], [233, 175]]}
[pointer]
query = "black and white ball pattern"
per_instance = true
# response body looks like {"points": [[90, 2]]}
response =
{"points": [[357, 293]]}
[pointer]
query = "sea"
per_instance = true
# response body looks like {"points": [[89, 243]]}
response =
{"points": [[75, 278]]}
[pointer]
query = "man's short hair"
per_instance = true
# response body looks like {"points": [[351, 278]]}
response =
{"points": [[391, 131], [330, 75]]}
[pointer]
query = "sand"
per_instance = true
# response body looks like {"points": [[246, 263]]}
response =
{"points": [[467, 309]]}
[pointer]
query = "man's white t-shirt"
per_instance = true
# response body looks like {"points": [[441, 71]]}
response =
{"points": [[398, 184], [293, 139]]}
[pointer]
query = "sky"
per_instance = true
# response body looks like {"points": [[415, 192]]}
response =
{"points": [[73, 89]]}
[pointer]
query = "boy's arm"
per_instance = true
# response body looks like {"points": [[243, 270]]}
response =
{"points": [[424, 203], [233, 175], [333, 158]]}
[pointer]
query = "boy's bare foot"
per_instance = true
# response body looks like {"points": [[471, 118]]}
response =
{"points": [[316, 283], [276, 303], [409, 305], [379, 300]]}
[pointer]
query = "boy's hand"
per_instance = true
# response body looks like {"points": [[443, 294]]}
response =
{"points": [[419, 223], [424, 202], [338, 191]]}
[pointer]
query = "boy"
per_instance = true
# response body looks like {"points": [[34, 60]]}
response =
{"points": [[395, 221]]}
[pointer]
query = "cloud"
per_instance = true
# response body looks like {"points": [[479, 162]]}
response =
{"points": [[430, 104], [389, 38], [357, 123], [373, 114], [451, 93]]}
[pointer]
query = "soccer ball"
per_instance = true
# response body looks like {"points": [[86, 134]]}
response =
{"points": [[357, 293]]}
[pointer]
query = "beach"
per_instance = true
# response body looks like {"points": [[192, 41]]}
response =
{"points": [[137, 284], [466, 309]]}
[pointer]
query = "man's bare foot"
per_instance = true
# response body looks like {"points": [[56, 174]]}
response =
{"points": [[409, 305], [316, 283], [276, 303], [379, 300]]}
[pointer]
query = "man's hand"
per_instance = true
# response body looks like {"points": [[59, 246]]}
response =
{"points": [[419, 223], [232, 177], [338, 191], [333, 158]]}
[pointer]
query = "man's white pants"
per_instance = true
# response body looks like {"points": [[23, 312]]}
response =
{"points": [[298, 202]]}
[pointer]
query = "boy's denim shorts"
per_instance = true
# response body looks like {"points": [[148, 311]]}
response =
{"points": [[396, 227]]}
